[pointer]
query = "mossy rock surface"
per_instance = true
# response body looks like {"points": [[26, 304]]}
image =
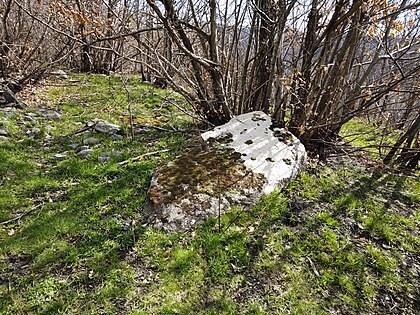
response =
{"points": [[198, 184]]}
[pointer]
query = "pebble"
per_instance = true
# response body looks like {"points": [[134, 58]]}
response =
{"points": [[60, 155], [49, 113], [32, 132], [81, 148], [28, 118], [85, 153], [106, 156], [91, 141], [4, 131]]}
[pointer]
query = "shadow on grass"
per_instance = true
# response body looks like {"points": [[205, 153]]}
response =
{"points": [[83, 237], [338, 265]]}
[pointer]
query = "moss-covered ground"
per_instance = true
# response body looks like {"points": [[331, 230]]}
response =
{"points": [[341, 239]]}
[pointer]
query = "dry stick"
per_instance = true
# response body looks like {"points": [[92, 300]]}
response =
{"points": [[158, 128], [142, 156], [219, 198], [21, 215], [127, 93], [313, 267]]}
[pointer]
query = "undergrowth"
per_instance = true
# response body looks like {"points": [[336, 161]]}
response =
{"points": [[366, 136]]}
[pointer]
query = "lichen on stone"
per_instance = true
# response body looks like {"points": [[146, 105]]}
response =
{"points": [[236, 164], [283, 135]]}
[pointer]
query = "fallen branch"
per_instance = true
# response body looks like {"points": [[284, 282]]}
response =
{"points": [[20, 216], [142, 156], [85, 128]]}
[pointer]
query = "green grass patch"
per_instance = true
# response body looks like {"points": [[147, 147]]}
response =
{"points": [[376, 140], [339, 239]]}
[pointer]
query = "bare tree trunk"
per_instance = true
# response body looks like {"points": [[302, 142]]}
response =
{"points": [[5, 39], [408, 138], [263, 75], [211, 101], [303, 81]]}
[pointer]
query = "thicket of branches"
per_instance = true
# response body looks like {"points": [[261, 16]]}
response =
{"points": [[312, 65]]}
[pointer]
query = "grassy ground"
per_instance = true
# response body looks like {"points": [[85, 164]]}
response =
{"points": [[364, 135], [342, 239]]}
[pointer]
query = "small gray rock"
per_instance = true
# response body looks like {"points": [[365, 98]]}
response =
{"points": [[60, 155], [74, 146], [48, 139], [106, 156], [81, 148], [86, 133], [9, 111], [28, 118], [85, 153], [32, 132], [49, 113], [4, 131], [91, 141], [8, 98], [103, 126]]}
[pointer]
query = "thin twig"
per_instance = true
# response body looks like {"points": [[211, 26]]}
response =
{"points": [[20, 216], [219, 201], [313, 267], [158, 128], [142, 156]]}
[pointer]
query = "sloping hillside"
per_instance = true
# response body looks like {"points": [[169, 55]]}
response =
{"points": [[342, 239]]}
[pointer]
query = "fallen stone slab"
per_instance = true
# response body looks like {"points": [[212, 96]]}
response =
{"points": [[234, 164], [273, 152], [199, 184]]}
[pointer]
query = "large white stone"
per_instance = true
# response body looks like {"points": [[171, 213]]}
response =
{"points": [[274, 153], [235, 165]]}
